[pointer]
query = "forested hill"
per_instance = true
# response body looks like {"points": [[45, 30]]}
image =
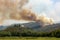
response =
{"points": [[18, 30], [33, 25]]}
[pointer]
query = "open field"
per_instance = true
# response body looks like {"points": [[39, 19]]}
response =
{"points": [[29, 38]]}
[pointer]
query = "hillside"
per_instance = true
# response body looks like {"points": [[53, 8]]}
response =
{"points": [[33, 25], [50, 28], [30, 29]]}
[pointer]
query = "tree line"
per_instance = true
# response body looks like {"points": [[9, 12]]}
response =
{"points": [[18, 31]]}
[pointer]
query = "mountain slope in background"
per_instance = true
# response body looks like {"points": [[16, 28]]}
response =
{"points": [[35, 26], [50, 28]]}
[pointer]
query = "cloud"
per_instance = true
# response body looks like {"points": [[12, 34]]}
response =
{"points": [[57, 7], [50, 7], [55, 12], [40, 5]]}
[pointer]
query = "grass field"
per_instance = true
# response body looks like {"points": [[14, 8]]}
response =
{"points": [[29, 38]]}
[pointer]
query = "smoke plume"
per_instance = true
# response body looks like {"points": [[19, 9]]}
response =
{"points": [[9, 9], [12, 9]]}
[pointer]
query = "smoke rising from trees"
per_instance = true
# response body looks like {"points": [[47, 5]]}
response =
{"points": [[12, 9]]}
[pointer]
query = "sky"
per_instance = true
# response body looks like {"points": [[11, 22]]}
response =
{"points": [[50, 8]]}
